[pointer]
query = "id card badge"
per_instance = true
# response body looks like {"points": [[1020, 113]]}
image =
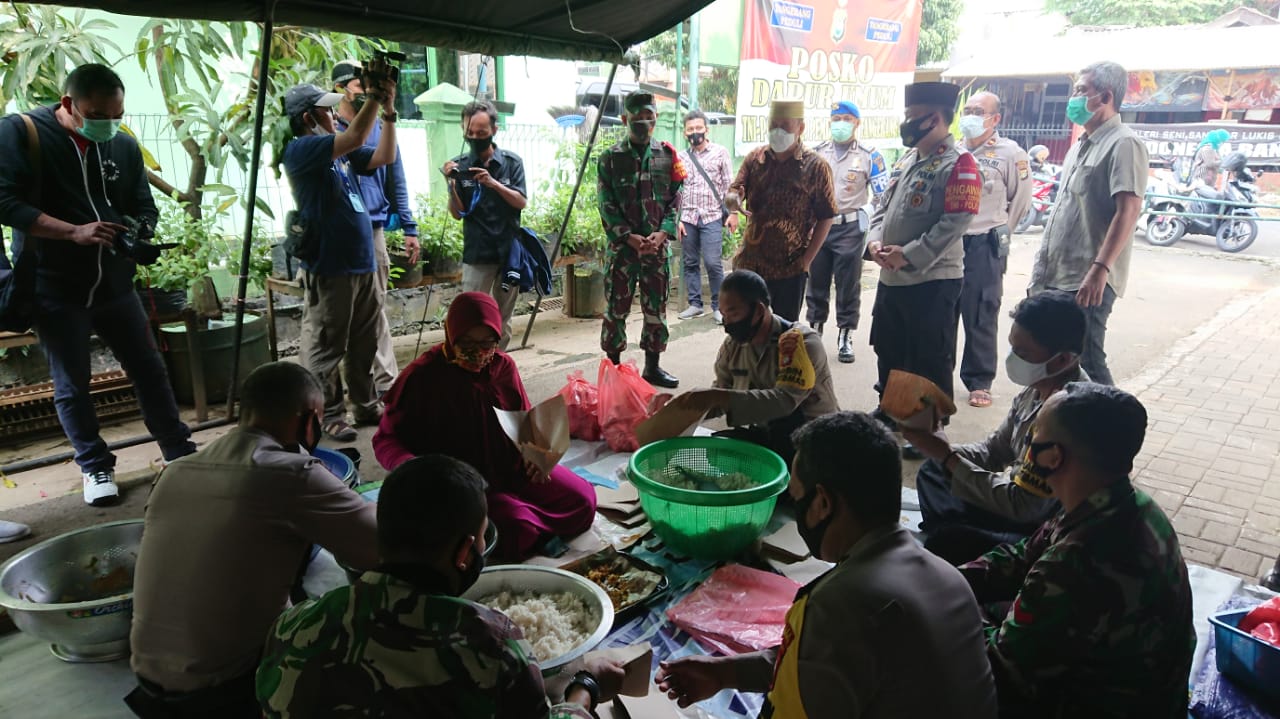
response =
{"points": [[356, 203]]}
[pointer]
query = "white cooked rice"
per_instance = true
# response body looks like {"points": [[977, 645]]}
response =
{"points": [[553, 624]]}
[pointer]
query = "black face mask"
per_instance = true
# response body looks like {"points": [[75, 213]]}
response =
{"points": [[812, 536], [641, 130], [310, 422], [358, 101], [468, 576], [480, 144], [743, 330], [696, 138], [912, 132]]}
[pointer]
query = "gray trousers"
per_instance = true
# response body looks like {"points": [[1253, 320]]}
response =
{"points": [[980, 310], [385, 368], [840, 258], [340, 329], [1094, 359], [703, 245], [487, 279]]}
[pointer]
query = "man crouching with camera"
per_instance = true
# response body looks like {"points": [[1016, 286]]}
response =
{"points": [[75, 191], [333, 237]]}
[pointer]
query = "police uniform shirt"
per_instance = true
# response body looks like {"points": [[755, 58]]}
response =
{"points": [[769, 384], [854, 169], [927, 210], [1006, 184]]}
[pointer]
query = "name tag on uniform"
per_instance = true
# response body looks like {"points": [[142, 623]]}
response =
{"points": [[356, 203]]}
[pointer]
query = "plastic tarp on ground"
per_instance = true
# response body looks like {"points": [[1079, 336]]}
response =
{"points": [[566, 29]]}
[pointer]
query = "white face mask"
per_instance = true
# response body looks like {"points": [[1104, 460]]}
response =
{"points": [[1026, 373], [780, 140], [972, 126]]}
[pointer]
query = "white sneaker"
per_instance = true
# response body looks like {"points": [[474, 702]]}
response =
{"points": [[12, 531], [100, 488], [719, 318], [691, 312]]}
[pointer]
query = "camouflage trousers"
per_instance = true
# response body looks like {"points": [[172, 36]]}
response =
{"points": [[627, 270]]}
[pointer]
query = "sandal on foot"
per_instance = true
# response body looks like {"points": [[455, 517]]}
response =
{"points": [[340, 431], [980, 398]]}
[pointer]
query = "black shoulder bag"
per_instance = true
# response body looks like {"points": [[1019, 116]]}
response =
{"points": [[18, 285], [724, 214]]}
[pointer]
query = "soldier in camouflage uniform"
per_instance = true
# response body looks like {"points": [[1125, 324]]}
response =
{"points": [[1100, 622], [400, 642], [638, 183]]}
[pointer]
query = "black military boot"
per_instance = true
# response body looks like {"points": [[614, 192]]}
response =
{"points": [[655, 375], [614, 357], [845, 345], [1272, 580]]}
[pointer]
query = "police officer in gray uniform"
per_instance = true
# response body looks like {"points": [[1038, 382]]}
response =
{"points": [[1006, 195], [859, 172], [915, 237]]}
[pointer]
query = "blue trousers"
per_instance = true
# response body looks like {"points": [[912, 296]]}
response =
{"points": [[64, 331], [703, 243]]}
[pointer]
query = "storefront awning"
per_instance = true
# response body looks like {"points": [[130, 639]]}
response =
{"points": [[1157, 48], [565, 29]]}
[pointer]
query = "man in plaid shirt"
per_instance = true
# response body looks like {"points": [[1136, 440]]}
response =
{"points": [[702, 214]]}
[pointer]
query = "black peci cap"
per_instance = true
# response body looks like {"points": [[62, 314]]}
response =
{"points": [[939, 94]]}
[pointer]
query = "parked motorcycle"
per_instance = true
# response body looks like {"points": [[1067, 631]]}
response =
{"points": [[1234, 226], [1045, 178]]}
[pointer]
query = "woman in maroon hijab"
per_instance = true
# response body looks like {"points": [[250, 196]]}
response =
{"points": [[443, 403]]}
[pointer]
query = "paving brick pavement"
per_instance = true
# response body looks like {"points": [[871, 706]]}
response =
{"points": [[1212, 454]]}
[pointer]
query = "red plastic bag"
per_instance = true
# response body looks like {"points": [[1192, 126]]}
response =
{"points": [[624, 403], [738, 609], [1263, 621], [583, 400]]}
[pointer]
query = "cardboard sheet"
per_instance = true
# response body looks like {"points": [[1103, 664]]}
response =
{"points": [[670, 421], [636, 661], [541, 434], [915, 402], [652, 706], [802, 572], [786, 543]]}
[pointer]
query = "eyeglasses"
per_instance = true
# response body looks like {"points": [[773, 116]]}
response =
{"points": [[976, 111], [473, 345]]}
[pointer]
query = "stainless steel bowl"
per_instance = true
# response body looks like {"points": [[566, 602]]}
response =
{"points": [[529, 578], [76, 591]]}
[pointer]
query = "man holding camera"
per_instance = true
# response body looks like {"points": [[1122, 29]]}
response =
{"points": [[487, 192], [386, 197], [75, 191], [343, 301]]}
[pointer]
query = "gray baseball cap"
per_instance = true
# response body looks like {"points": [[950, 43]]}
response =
{"points": [[301, 98]]}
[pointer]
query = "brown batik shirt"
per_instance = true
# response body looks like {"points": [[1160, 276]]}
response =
{"points": [[786, 196]]}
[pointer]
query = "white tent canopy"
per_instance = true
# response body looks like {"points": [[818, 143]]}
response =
{"points": [[1186, 47]]}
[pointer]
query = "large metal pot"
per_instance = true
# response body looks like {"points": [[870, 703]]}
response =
{"points": [[76, 591], [546, 580]]}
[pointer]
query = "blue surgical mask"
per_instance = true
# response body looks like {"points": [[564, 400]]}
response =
{"points": [[96, 130], [972, 126], [841, 131]]}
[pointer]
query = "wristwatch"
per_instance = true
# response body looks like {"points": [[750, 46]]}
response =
{"points": [[586, 681], [392, 117]]}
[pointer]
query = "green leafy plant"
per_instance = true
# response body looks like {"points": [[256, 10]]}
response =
{"points": [[395, 240], [201, 248], [41, 44], [584, 234], [439, 234]]}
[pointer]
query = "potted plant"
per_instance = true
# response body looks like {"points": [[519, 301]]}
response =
{"points": [[164, 285], [440, 236], [403, 273]]}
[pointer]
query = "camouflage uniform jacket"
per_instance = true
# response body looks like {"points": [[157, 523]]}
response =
{"points": [[1100, 624], [638, 193], [387, 648]]}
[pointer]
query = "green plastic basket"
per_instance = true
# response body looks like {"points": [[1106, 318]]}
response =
{"points": [[708, 524]]}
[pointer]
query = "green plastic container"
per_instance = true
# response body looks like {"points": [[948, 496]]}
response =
{"points": [[215, 347], [708, 524]]}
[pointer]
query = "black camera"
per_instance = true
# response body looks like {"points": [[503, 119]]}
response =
{"points": [[134, 242], [459, 173], [374, 79]]}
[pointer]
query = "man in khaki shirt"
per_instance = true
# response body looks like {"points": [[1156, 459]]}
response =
{"points": [[772, 376], [1089, 237], [226, 531], [1006, 195]]}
